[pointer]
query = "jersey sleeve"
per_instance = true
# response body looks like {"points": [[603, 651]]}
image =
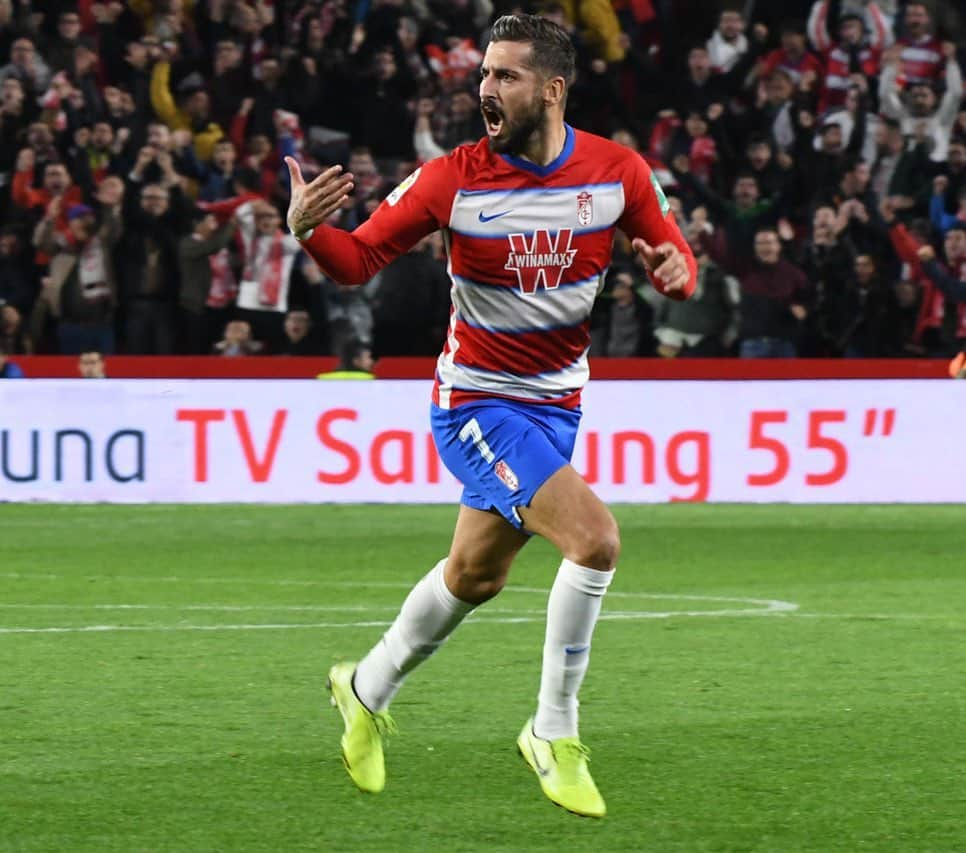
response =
{"points": [[647, 215], [417, 207]]}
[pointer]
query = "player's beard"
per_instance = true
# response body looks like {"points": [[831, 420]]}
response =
{"points": [[516, 131]]}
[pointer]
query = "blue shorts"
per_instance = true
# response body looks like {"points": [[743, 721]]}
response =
{"points": [[502, 451]]}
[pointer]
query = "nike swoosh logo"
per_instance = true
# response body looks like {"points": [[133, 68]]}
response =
{"points": [[541, 770], [575, 650], [485, 218]]}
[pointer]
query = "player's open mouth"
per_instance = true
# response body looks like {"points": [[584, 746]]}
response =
{"points": [[493, 119]]}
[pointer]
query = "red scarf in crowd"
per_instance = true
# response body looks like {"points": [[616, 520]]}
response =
{"points": [[269, 277]]}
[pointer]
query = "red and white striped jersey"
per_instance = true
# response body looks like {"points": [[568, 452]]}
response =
{"points": [[528, 249], [836, 83], [922, 60]]}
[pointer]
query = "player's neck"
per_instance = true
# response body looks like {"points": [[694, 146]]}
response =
{"points": [[546, 143]]}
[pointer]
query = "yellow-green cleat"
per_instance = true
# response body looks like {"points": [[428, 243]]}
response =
{"points": [[561, 767], [364, 730]]}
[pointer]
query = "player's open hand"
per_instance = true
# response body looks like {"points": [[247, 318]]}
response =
{"points": [[313, 202], [665, 262]]}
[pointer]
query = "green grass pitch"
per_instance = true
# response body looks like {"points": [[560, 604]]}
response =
{"points": [[767, 678]]}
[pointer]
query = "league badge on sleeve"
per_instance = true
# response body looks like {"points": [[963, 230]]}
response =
{"points": [[585, 208], [400, 191], [659, 192]]}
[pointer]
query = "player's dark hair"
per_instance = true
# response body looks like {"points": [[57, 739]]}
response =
{"points": [[551, 52], [956, 226]]}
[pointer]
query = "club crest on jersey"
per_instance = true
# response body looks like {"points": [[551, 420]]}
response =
{"points": [[540, 260], [585, 208], [505, 473]]}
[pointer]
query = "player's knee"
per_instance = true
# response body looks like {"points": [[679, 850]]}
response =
{"points": [[598, 547], [475, 589], [474, 584]]}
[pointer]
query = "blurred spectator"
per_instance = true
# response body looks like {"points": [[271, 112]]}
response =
{"points": [[954, 170], [909, 301], [8, 369], [229, 80], [155, 215], [773, 173], [355, 361], [410, 302], [706, 325], [917, 108], [941, 220], [898, 169], [863, 318], [57, 187], [851, 54], [951, 284], [739, 218], [920, 52], [208, 285], [694, 141], [91, 365], [269, 256], [13, 336], [192, 112], [792, 57], [827, 259], [624, 327], [299, 334], [28, 67], [728, 42], [237, 340], [774, 301], [15, 116], [933, 330], [408, 49], [424, 140], [383, 123], [348, 312], [18, 278], [699, 88], [80, 288]]}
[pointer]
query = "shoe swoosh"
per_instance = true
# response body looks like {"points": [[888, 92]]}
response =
{"points": [[541, 770], [485, 218]]}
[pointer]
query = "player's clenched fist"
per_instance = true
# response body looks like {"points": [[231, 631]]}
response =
{"points": [[666, 263], [313, 202]]}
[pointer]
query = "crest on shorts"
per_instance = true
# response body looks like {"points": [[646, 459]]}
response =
{"points": [[505, 473], [585, 208]]}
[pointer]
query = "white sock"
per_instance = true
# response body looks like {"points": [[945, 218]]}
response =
{"points": [[575, 600], [428, 616]]}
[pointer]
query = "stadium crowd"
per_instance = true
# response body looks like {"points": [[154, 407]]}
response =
{"points": [[814, 154]]}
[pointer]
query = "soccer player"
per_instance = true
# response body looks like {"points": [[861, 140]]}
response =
{"points": [[528, 215]]}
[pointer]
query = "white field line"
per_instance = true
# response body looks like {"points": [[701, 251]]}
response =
{"points": [[322, 582], [489, 616]]}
